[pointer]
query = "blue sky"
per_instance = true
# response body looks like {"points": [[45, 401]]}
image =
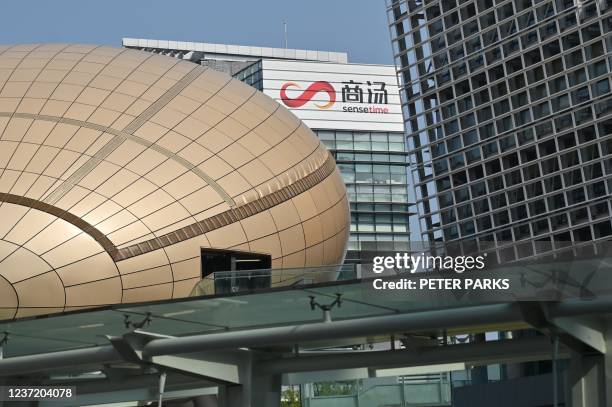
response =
{"points": [[356, 26]]}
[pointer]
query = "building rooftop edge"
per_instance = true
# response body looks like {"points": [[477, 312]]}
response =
{"points": [[262, 52]]}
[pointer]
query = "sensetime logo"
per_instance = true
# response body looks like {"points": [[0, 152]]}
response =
{"points": [[308, 94], [354, 95]]}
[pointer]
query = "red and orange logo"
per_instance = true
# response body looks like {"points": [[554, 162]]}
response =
{"points": [[308, 94]]}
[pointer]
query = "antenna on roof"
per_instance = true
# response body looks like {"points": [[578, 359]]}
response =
{"points": [[285, 25]]}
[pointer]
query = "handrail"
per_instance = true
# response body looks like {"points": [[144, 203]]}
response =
{"points": [[253, 280]]}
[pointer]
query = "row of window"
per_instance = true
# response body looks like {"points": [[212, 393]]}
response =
{"points": [[553, 246], [535, 102], [534, 192], [343, 135], [343, 156], [561, 124], [361, 241], [487, 36], [496, 147], [376, 189], [370, 222], [466, 116], [379, 207], [373, 173], [398, 9], [371, 194], [561, 243], [512, 178], [517, 82], [375, 197], [538, 204], [363, 145], [418, 48], [362, 141], [513, 70], [544, 229]]}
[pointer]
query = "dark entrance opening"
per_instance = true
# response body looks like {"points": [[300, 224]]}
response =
{"points": [[236, 271]]}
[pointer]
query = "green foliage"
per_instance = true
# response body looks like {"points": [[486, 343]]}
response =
{"points": [[290, 397], [345, 388]]}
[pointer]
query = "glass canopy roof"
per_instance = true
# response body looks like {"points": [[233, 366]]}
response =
{"points": [[291, 305]]}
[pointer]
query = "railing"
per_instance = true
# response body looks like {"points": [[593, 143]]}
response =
{"points": [[224, 282]]}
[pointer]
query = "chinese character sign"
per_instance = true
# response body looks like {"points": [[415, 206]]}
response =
{"points": [[352, 92], [336, 95], [378, 95], [372, 92]]}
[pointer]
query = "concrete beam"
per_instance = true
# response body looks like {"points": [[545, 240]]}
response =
{"points": [[222, 367], [583, 329]]}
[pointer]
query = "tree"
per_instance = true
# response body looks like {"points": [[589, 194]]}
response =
{"points": [[290, 397]]}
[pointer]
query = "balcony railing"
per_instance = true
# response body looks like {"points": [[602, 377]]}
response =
{"points": [[224, 282]]}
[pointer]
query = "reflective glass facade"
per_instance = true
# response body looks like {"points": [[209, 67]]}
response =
{"points": [[508, 117], [373, 165], [251, 75]]}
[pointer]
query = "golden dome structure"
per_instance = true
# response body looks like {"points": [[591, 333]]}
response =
{"points": [[118, 167]]}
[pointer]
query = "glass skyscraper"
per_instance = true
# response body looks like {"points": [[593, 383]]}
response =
{"points": [[373, 166], [508, 118]]}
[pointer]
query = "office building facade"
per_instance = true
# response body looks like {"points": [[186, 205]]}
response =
{"points": [[508, 117], [356, 114], [353, 108]]}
